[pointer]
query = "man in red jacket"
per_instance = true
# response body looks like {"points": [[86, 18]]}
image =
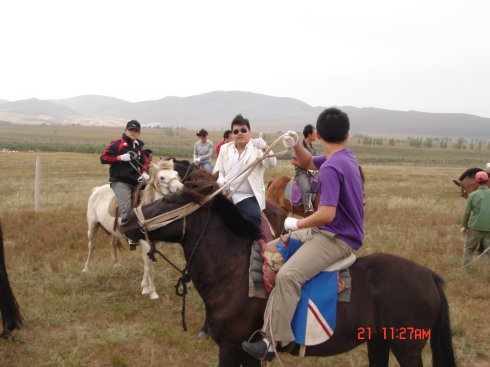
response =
{"points": [[128, 165]]}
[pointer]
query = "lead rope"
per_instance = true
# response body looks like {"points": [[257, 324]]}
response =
{"points": [[475, 259], [181, 288]]}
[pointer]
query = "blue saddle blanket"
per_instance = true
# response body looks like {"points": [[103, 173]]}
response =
{"points": [[315, 317]]}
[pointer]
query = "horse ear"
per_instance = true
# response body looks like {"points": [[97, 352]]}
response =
{"points": [[456, 183], [155, 166], [215, 176]]}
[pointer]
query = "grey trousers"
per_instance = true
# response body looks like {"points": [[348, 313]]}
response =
{"points": [[304, 184], [320, 249], [122, 190], [473, 238]]}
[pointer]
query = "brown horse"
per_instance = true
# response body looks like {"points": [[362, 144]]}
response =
{"points": [[277, 187], [275, 192], [9, 308], [390, 295], [467, 182]]}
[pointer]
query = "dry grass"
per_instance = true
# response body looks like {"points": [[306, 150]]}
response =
{"points": [[99, 318]]}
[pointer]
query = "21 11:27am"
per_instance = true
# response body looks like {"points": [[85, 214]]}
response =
{"points": [[392, 333]]}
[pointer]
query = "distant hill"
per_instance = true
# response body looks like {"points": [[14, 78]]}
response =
{"points": [[215, 110], [93, 105], [37, 108]]}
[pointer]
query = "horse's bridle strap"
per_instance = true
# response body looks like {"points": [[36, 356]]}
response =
{"points": [[162, 220]]}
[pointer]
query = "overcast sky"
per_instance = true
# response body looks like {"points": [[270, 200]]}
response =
{"points": [[425, 55]]}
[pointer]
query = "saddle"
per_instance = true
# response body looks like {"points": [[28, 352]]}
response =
{"points": [[113, 208], [293, 193], [266, 262]]}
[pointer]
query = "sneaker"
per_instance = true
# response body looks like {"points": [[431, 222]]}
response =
{"points": [[258, 350]]}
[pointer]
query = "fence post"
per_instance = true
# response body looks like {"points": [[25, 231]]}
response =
{"points": [[37, 186]]}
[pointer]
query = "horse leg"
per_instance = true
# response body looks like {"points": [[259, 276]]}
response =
{"points": [[148, 281], [378, 353], [408, 352], [92, 231], [115, 257]]}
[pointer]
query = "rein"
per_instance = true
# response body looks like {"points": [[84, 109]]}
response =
{"points": [[181, 288]]}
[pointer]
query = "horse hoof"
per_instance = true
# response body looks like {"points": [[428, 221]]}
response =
{"points": [[145, 291], [154, 296], [85, 270], [202, 335]]}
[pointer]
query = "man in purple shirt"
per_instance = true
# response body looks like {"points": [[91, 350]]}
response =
{"points": [[328, 235]]}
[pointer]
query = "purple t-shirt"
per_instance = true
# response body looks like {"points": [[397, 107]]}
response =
{"points": [[340, 185]]}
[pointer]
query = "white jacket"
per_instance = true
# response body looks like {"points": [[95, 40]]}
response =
{"points": [[256, 178]]}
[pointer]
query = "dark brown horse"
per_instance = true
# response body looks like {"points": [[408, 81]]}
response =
{"points": [[277, 187], [395, 303], [9, 308]]}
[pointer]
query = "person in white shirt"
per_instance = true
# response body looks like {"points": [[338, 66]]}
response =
{"points": [[237, 155]]}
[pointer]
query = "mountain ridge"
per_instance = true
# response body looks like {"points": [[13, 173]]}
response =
{"points": [[215, 110]]}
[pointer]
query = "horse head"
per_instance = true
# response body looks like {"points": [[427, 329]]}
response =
{"points": [[166, 178], [466, 182]]}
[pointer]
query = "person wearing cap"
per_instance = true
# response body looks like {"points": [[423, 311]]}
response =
{"points": [[328, 235], [233, 158], [476, 218], [203, 149], [128, 166]]}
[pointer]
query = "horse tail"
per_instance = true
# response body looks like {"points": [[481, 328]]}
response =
{"points": [[9, 308], [441, 339]]}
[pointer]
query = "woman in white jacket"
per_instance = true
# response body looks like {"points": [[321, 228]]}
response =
{"points": [[237, 155]]}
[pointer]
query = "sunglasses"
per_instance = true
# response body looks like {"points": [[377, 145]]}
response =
{"points": [[242, 130]]}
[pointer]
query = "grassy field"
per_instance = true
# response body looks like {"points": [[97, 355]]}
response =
{"points": [[99, 318]]}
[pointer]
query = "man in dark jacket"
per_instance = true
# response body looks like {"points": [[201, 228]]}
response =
{"points": [[128, 165]]}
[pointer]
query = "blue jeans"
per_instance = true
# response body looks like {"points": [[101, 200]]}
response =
{"points": [[207, 166], [250, 209], [122, 190]]}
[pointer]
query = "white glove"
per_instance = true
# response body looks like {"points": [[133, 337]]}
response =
{"points": [[290, 140], [222, 181], [143, 178], [291, 224], [197, 160], [260, 143], [463, 230], [487, 166], [125, 157]]}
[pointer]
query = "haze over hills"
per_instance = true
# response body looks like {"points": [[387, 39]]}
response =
{"points": [[215, 110]]}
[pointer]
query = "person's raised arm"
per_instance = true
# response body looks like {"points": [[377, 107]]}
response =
{"points": [[304, 158]]}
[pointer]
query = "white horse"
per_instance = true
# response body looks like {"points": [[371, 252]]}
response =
{"points": [[164, 181]]}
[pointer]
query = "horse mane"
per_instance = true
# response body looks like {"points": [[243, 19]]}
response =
{"points": [[201, 184], [471, 172], [177, 161]]}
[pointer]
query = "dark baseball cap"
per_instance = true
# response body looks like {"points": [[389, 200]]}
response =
{"points": [[133, 125]]}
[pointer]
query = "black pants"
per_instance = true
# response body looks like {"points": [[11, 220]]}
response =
{"points": [[250, 209]]}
